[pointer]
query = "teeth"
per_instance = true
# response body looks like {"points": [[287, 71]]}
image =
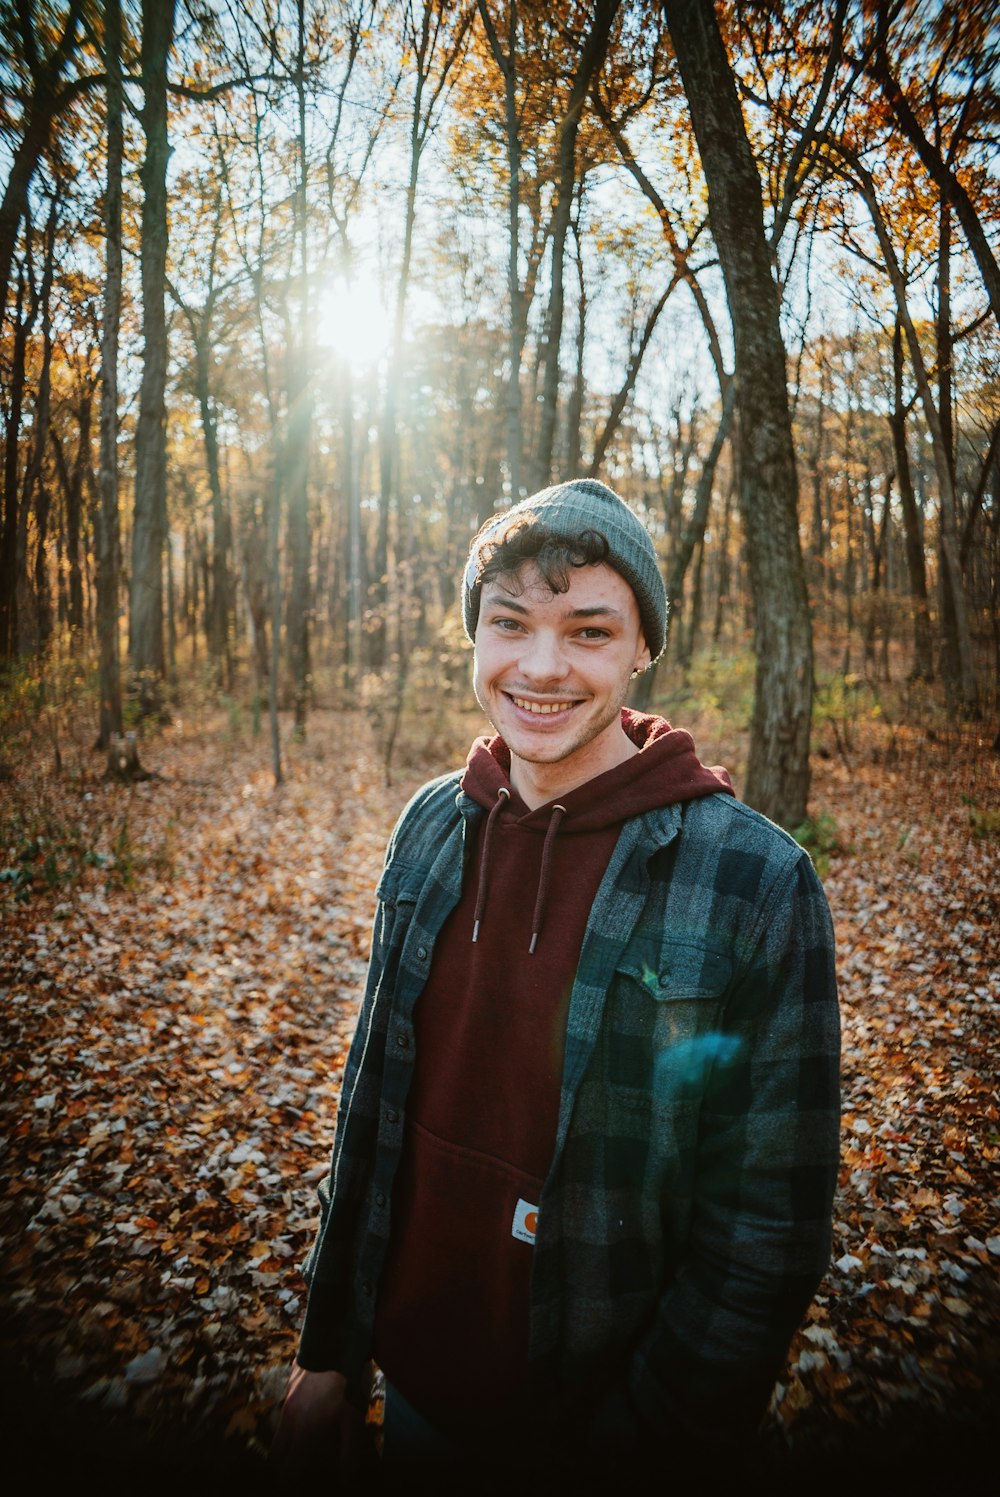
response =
{"points": [[541, 708]]}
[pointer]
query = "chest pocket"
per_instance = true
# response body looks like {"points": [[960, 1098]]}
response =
{"points": [[671, 971], [668, 1033]]}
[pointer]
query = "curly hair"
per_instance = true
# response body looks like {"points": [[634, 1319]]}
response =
{"points": [[529, 539]]}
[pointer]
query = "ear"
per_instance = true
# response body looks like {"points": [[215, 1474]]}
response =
{"points": [[643, 659]]}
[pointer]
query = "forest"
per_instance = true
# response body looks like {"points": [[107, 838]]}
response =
{"points": [[293, 297]]}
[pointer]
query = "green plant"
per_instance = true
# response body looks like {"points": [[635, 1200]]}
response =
{"points": [[234, 717], [122, 867], [984, 821], [818, 835], [162, 859], [44, 853]]}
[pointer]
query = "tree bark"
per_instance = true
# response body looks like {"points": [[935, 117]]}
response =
{"points": [[220, 593], [641, 695], [74, 512], [47, 99], [300, 414], [574, 412], [146, 643], [25, 637], [109, 668], [777, 781], [507, 63], [923, 659], [23, 320], [592, 55]]}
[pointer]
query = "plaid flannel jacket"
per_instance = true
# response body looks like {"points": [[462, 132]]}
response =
{"points": [[685, 1221]]}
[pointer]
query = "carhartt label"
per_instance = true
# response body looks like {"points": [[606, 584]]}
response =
{"points": [[525, 1222]]}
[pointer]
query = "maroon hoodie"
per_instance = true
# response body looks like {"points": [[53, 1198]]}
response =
{"points": [[451, 1323]]}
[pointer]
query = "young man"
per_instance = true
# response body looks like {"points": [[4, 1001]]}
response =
{"points": [[581, 1188]]}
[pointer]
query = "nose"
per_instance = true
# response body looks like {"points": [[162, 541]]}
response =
{"points": [[542, 658]]}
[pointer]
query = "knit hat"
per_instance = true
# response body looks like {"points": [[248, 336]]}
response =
{"points": [[566, 509]]}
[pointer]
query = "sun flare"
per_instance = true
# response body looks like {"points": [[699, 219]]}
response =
{"points": [[353, 322]]}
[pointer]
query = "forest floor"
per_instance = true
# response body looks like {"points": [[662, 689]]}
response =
{"points": [[180, 966]]}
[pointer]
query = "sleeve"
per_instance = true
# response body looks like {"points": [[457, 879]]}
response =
{"points": [[331, 1337], [766, 1170], [327, 1268]]}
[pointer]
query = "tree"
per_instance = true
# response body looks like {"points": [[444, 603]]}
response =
{"points": [[777, 780], [434, 37], [507, 62], [49, 95], [146, 644], [201, 326], [109, 666], [592, 48], [967, 29]]}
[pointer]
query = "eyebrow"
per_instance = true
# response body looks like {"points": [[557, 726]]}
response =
{"points": [[500, 598]]}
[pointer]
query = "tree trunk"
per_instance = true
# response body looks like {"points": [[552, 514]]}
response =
{"points": [[47, 99], [594, 48], [300, 411], [507, 63], [777, 781], [74, 512], [641, 695], [11, 485], [26, 633], [220, 597], [274, 557], [43, 592], [109, 670], [817, 540], [574, 413], [923, 659], [355, 578], [146, 644], [949, 571], [875, 620]]}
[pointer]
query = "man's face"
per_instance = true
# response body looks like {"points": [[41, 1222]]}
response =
{"points": [[552, 669]]}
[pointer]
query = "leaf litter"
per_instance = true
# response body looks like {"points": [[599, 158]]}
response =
{"points": [[177, 1000]]}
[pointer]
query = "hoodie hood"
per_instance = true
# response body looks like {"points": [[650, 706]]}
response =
{"points": [[665, 772]]}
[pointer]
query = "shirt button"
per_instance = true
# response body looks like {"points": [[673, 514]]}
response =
{"points": [[368, 1288], [391, 1114], [380, 1199], [402, 1041], [422, 953]]}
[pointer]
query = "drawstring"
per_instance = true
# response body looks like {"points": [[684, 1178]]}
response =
{"points": [[544, 876], [503, 794], [558, 812]]}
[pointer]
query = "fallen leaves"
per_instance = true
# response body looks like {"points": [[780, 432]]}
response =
{"points": [[172, 1059], [174, 1044], [912, 1301]]}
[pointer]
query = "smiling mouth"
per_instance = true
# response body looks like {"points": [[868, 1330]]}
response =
{"points": [[541, 709]]}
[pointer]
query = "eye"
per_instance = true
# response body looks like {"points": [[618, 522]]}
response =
{"points": [[507, 625], [593, 633]]}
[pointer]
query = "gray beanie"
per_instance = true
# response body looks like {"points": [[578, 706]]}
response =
{"points": [[566, 510]]}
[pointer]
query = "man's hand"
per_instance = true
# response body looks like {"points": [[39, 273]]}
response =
{"points": [[319, 1431]]}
